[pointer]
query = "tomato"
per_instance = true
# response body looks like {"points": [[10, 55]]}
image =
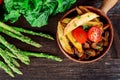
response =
{"points": [[1, 2], [95, 34], [80, 35]]}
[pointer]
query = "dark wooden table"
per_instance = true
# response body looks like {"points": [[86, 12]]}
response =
{"points": [[108, 68]]}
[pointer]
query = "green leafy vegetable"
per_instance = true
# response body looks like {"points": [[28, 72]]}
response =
{"points": [[36, 12], [85, 27]]}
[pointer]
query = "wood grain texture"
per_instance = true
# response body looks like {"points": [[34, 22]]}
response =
{"points": [[108, 68]]}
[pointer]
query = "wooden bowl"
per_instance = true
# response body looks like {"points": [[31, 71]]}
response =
{"points": [[104, 19]]}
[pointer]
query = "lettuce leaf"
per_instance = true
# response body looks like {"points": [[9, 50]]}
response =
{"points": [[36, 12]]}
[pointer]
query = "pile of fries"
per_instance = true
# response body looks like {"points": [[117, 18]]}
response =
{"points": [[70, 45]]}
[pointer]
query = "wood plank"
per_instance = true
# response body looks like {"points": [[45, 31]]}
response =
{"points": [[107, 68]]}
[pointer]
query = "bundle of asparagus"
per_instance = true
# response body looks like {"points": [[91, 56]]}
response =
{"points": [[11, 54]]}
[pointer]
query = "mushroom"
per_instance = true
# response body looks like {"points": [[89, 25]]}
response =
{"points": [[86, 45], [79, 54], [105, 43], [97, 46], [90, 52]]}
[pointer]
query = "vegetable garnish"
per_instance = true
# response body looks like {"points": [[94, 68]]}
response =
{"points": [[95, 34], [36, 12], [80, 35], [85, 27], [10, 53]]}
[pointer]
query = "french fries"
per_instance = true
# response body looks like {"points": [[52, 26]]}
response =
{"points": [[106, 26], [84, 10], [78, 21], [63, 40], [76, 44], [79, 11], [93, 23], [86, 19], [66, 20]]}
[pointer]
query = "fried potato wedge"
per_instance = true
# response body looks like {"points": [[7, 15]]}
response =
{"points": [[93, 23], [84, 10], [63, 39], [79, 11], [66, 20], [78, 21], [106, 27], [76, 44]]}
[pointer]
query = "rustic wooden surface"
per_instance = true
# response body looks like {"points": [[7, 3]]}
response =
{"points": [[108, 68]]}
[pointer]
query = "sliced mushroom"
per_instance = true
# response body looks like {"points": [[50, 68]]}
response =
{"points": [[106, 36], [90, 52], [97, 46], [105, 43], [86, 45], [79, 54]]}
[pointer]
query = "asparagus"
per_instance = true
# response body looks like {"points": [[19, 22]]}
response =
{"points": [[10, 54], [20, 37], [34, 33], [15, 62], [7, 59], [12, 58], [6, 50], [42, 55], [23, 58], [6, 27], [6, 68]]}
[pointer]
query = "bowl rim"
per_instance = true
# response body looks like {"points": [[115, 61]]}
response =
{"points": [[110, 43]]}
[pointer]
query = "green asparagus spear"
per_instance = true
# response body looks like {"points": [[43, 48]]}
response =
{"points": [[10, 54], [6, 68], [2, 46], [22, 38], [14, 69], [34, 33], [23, 58], [42, 55], [6, 50], [15, 62], [4, 26], [12, 58], [8, 60]]}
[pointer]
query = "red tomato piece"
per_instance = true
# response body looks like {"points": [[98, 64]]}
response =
{"points": [[95, 34], [80, 35], [1, 2]]}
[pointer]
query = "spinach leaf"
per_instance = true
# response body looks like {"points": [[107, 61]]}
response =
{"points": [[36, 12]]}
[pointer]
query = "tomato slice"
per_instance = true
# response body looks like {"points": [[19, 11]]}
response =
{"points": [[1, 2], [80, 35], [95, 34]]}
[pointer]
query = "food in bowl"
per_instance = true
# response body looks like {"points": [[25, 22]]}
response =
{"points": [[83, 34]]}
